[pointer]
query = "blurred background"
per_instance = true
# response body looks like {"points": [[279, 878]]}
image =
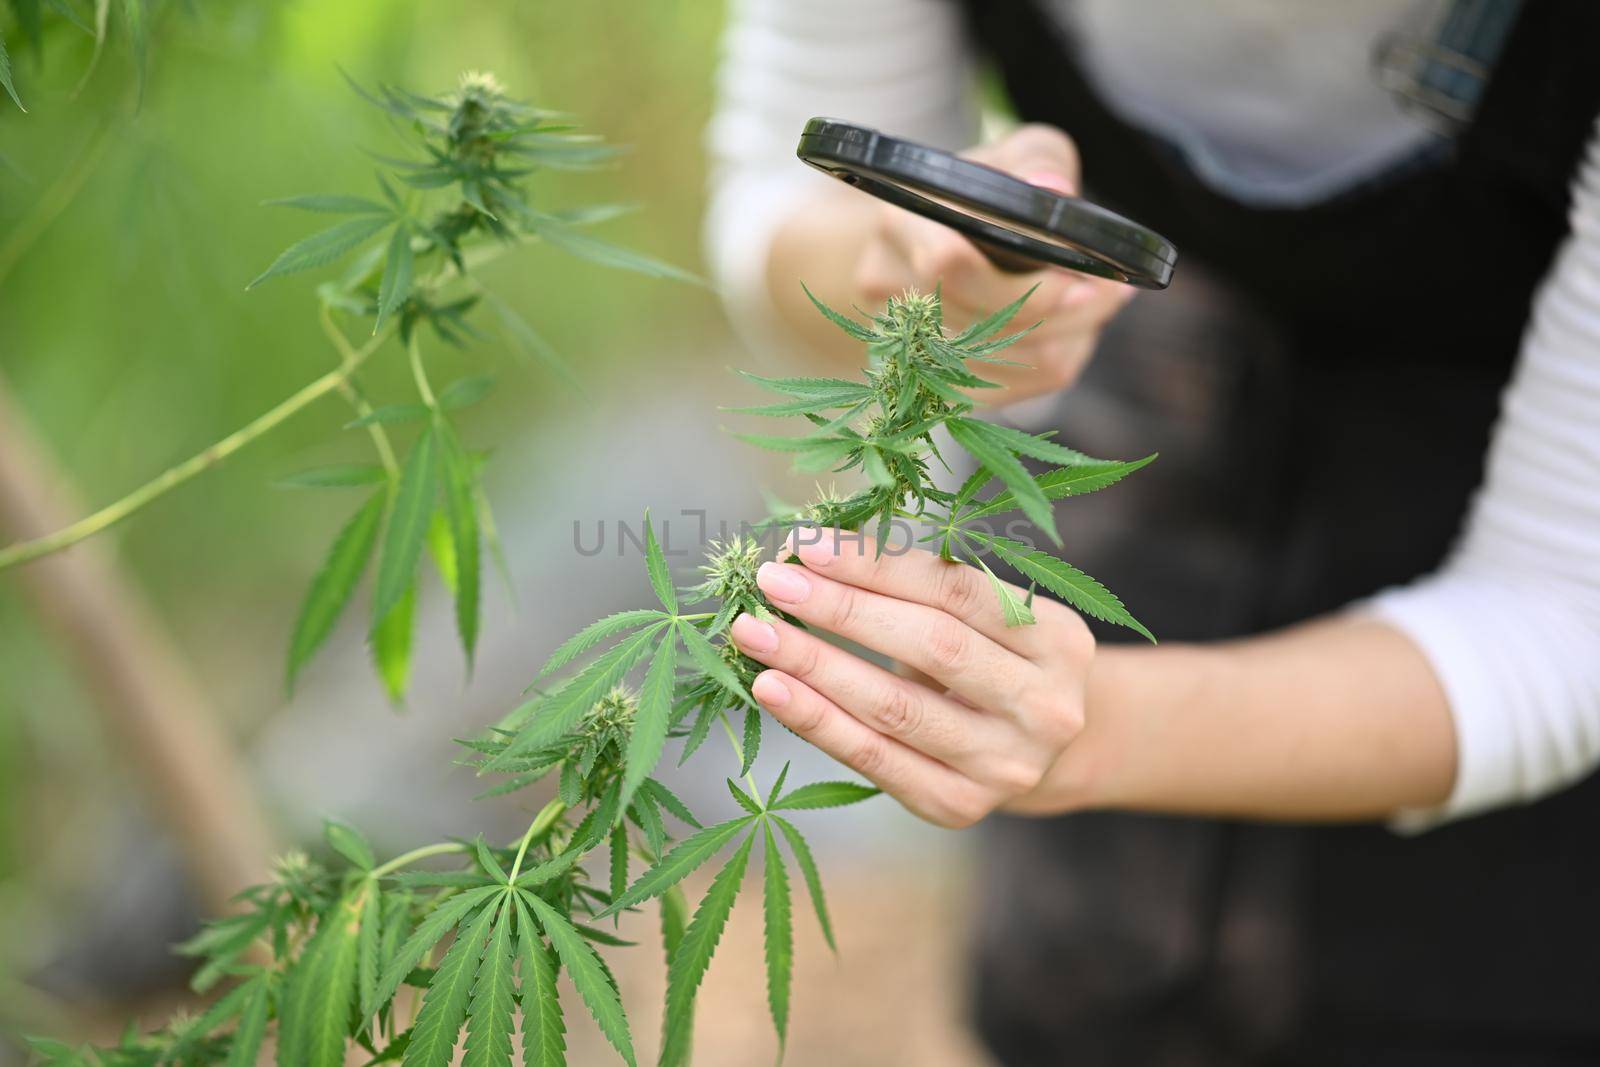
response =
{"points": [[128, 228]]}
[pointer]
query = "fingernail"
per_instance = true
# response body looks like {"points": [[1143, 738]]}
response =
{"points": [[1049, 179], [753, 635], [817, 550], [769, 691], [783, 581]]}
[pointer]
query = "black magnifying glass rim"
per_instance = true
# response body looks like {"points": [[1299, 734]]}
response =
{"points": [[1076, 234]]}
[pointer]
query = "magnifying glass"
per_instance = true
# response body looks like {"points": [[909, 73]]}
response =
{"points": [[1019, 227]]}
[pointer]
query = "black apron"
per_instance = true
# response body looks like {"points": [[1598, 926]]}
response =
{"points": [[1322, 424]]}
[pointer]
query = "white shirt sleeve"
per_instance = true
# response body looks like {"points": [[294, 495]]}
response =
{"points": [[1511, 623], [898, 65]]}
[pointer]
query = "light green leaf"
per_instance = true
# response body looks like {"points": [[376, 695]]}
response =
{"points": [[335, 476], [650, 723], [369, 950], [408, 525], [444, 1005], [322, 248], [543, 1029], [1012, 608], [808, 868], [587, 973], [322, 992], [778, 926], [333, 585], [996, 458], [750, 746], [526, 340], [1037, 446], [396, 284], [348, 842], [464, 392], [494, 1000], [689, 963], [669, 800], [390, 413], [391, 645], [1064, 580], [655, 562], [586, 246], [133, 13], [679, 863], [824, 795]]}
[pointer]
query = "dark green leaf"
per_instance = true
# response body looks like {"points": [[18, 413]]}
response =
{"points": [[992, 324], [1062, 483], [543, 1029], [397, 268], [438, 922], [996, 458], [1064, 580], [650, 723], [808, 868], [778, 926], [460, 494], [669, 800], [689, 963], [444, 1005], [594, 633], [849, 326], [706, 658], [489, 1019], [679, 863], [464, 392], [245, 1048], [655, 562]]}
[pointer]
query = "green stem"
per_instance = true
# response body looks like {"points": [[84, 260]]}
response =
{"points": [[106, 517], [738, 750], [541, 822], [407, 858], [352, 392], [420, 373]]}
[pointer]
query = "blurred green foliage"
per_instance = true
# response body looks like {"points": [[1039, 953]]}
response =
{"points": [[126, 332]]}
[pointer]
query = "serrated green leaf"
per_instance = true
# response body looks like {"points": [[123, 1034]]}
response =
{"points": [[369, 950], [655, 562], [556, 865], [1009, 470], [348, 842], [429, 931], [407, 526], [335, 476], [333, 585], [992, 324], [669, 800], [848, 325], [1036, 446], [444, 1005], [750, 745], [743, 799], [679, 863], [777, 785], [704, 654], [824, 795], [391, 645], [543, 1028], [650, 723], [321, 992], [1062, 483], [587, 973], [619, 861], [494, 1000], [559, 711], [593, 634], [321, 248], [1064, 580], [808, 868], [689, 963], [487, 863], [397, 268], [331, 203], [778, 929]]}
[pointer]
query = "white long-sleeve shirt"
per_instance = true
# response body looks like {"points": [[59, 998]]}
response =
{"points": [[1511, 622]]}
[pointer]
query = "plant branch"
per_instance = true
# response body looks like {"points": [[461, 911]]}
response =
{"points": [[407, 858], [106, 517], [541, 822], [420, 373], [349, 357]]}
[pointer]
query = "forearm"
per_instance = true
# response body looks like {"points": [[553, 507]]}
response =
{"points": [[1336, 719]]}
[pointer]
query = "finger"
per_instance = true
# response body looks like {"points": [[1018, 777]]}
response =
{"points": [[983, 672], [912, 714], [882, 271], [927, 787], [920, 577]]}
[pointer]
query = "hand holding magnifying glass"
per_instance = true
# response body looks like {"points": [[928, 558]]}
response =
{"points": [[1022, 205]]}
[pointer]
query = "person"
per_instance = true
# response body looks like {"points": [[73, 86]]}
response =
{"points": [[1363, 753]]}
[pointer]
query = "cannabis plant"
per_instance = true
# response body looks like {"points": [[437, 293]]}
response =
{"points": [[484, 940]]}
